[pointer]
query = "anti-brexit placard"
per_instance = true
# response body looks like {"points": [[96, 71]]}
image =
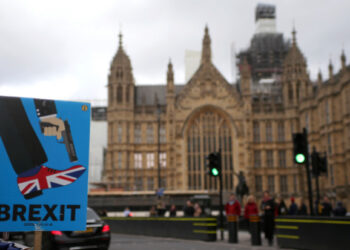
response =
{"points": [[44, 153]]}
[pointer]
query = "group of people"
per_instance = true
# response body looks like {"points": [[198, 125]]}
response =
{"points": [[189, 210], [268, 206], [192, 210], [271, 208], [325, 208], [293, 209]]}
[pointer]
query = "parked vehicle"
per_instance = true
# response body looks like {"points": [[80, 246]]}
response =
{"points": [[97, 235]]}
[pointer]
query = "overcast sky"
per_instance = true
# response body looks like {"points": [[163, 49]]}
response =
{"points": [[63, 49]]}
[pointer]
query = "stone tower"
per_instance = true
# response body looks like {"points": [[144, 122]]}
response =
{"points": [[120, 111]]}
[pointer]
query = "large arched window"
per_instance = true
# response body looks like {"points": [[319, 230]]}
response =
{"points": [[208, 132]]}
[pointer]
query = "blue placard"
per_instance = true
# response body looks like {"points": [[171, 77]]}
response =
{"points": [[44, 154]]}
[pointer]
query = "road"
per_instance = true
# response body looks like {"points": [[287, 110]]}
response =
{"points": [[134, 242]]}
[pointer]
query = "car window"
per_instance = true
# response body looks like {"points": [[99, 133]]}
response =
{"points": [[91, 215]]}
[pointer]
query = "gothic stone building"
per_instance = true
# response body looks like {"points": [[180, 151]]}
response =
{"points": [[177, 126]]}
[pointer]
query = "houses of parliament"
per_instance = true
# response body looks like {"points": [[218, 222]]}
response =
{"points": [[168, 130]]}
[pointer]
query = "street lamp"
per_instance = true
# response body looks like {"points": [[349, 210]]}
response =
{"points": [[158, 142]]}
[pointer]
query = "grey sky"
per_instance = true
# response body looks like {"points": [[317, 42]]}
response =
{"points": [[63, 49]]}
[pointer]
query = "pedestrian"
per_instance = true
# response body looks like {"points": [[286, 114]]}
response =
{"points": [[339, 210], [172, 212], [250, 208], [293, 208], [302, 208], [197, 210], [281, 208], [326, 207], [161, 209], [153, 211], [104, 213], [233, 207], [127, 212], [188, 209], [268, 207]]}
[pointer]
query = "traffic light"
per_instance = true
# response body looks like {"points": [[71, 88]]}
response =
{"points": [[315, 161], [323, 164], [319, 164], [214, 164], [300, 148]]}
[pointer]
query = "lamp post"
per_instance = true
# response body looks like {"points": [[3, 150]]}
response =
{"points": [[158, 143]]}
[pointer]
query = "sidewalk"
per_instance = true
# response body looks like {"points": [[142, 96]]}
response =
{"points": [[244, 241]]}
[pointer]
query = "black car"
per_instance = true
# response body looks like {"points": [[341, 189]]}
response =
{"points": [[97, 235]]}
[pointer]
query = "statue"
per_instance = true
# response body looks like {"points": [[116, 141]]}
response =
{"points": [[242, 187]]}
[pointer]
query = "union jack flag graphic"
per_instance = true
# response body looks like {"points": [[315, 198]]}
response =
{"points": [[43, 177]]}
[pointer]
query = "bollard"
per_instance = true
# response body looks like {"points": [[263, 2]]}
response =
{"points": [[255, 230], [232, 224]]}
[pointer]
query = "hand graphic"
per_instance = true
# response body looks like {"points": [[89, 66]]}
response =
{"points": [[52, 126]]}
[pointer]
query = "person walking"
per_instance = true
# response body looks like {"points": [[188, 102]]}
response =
{"points": [[188, 209], [161, 209], [268, 207], [250, 208], [127, 212], [197, 210], [293, 208], [302, 208], [281, 208], [339, 210], [233, 207], [172, 211], [326, 207], [153, 211]]}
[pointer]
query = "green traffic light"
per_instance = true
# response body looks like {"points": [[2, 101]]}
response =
{"points": [[300, 158], [215, 172]]}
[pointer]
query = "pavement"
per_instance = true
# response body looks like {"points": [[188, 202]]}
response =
{"points": [[136, 242]]}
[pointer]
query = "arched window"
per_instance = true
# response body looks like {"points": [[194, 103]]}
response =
{"points": [[208, 132], [120, 94]]}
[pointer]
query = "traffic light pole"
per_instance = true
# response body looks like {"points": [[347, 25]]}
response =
{"points": [[308, 175], [315, 160], [221, 202], [317, 193]]}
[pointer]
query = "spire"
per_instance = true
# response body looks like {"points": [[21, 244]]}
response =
{"points": [[294, 60], [121, 59], [330, 69], [206, 51], [294, 38], [343, 60], [319, 77], [170, 78], [120, 40], [170, 74]]}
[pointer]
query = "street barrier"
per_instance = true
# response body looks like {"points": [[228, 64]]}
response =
{"points": [[183, 228], [305, 232], [255, 230], [232, 225]]}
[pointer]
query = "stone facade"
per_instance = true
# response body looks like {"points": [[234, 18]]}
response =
{"points": [[174, 127]]}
